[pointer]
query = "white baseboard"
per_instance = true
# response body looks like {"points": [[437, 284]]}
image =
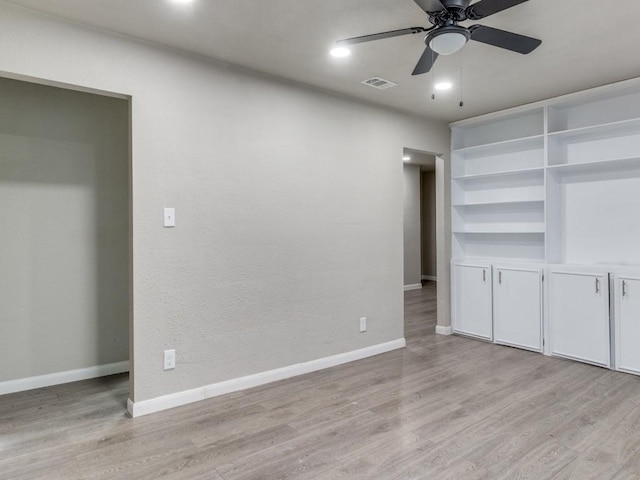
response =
{"points": [[58, 378], [430, 278], [413, 286], [145, 407], [440, 330]]}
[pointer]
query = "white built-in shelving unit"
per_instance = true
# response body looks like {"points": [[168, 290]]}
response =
{"points": [[557, 181], [552, 187], [498, 187]]}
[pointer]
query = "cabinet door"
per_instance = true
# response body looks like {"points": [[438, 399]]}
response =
{"points": [[628, 324], [579, 316], [517, 307], [472, 300]]}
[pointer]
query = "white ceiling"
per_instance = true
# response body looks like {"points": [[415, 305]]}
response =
{"points": [[586, 43]]}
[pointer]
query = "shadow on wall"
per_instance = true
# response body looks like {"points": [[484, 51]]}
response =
{"points": [[64, 257]]}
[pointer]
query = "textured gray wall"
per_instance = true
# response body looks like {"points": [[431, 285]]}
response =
{"points": [[289, 205], [428, 223], [64, 238]]}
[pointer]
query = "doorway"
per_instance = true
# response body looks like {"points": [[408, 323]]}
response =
{"points": [[65, 258], [420, 251], [420, 247]]}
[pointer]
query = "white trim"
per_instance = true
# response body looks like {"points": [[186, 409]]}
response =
{"points": [[145, 407], [58, 378], [413, 286], [440, 330], [66, 86], [430, 278], [129, 407]]}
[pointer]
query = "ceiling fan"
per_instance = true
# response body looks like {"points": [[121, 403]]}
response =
{"points": [[446, 36]]}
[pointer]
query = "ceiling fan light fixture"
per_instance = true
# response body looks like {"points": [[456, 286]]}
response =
{"points": [[448, 40]]}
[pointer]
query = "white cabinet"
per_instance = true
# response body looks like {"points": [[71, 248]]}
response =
{"points": [[472, 304], [517, 307], [579, 316], [627, 323]]}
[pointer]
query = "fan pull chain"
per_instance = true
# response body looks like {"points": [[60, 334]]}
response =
{"points": [[463, 56], [460, 80]]}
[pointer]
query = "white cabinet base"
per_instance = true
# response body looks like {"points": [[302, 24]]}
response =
{"points": [[579, 316], [517, 307], [472, 304]]}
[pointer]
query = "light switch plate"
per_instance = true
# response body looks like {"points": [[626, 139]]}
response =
{"points": [[169, 217]]}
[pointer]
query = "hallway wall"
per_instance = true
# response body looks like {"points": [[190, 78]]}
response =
{"points": [[428, 224], [412, 247]]}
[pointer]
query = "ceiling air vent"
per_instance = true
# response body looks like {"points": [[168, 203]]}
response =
{"points": [[379, 83]]}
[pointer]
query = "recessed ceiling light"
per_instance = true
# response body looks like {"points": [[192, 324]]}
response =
{"points": [[406, 158], [340, 52], [182, 2], [443, 86]]}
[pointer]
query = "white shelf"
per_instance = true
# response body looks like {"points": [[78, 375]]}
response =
{"points": [[605, 130], [503, 229], [507, 146], [513, 126], [523, 171], [491, 204], [512, 246], [632, 163], [593, 109]]}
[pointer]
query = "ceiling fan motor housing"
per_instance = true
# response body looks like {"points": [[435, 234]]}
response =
{"points": [[454, 11], [462, 4]]}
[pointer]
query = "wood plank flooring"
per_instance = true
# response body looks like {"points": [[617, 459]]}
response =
{"points": [[443, 408]]}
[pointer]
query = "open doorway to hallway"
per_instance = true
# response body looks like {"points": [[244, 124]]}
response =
{"points": [[420, 253]]}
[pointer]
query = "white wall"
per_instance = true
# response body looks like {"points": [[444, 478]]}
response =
{"points": [[443, 242], [64, 160], [412, 247], [289, 205]]}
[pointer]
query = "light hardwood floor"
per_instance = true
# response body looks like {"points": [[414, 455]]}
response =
{"points": [[443, 408]]}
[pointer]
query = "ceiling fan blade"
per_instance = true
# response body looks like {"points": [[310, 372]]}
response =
{"points": [[426, 61], [507, 40], [484, 8], [430, 5], [380, 36]]}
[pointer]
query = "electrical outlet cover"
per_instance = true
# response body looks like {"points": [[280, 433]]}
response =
{"points": [[169, 359]]}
